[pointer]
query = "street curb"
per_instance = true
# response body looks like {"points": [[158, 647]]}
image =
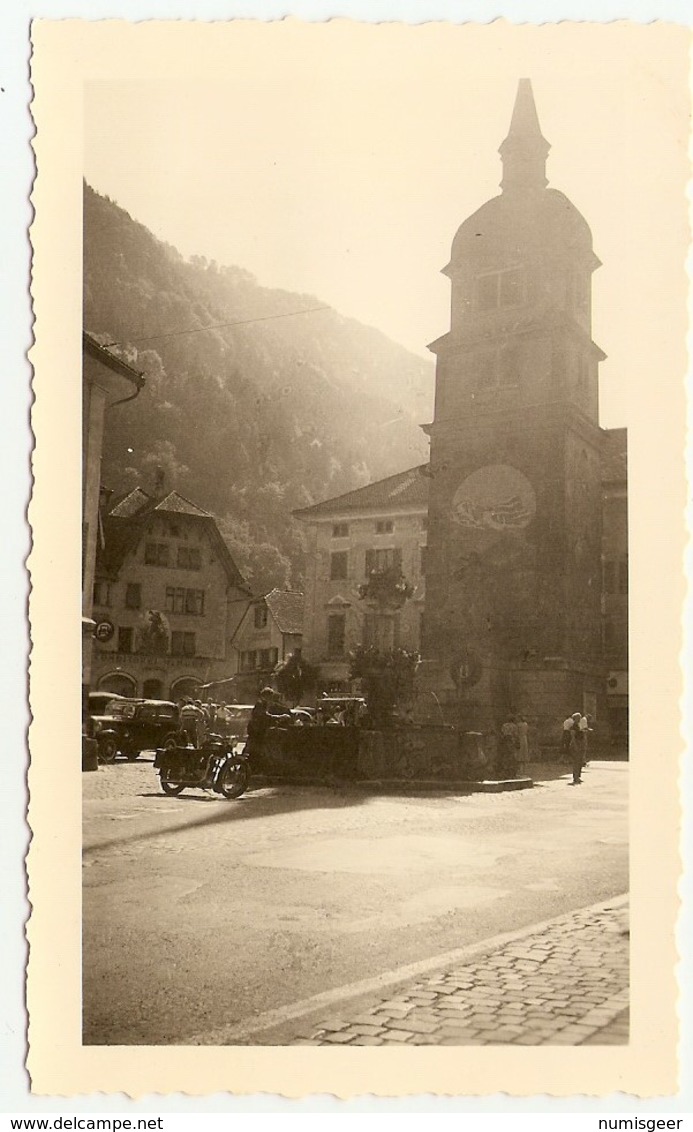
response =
{"points": [[241, 1032], [463, 787]]}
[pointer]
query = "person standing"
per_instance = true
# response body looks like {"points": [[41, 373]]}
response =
{"points": [[523, 735], [261, 719], [577, 752], [567, 740], [585, 727], [508, 746], [188, 714]]}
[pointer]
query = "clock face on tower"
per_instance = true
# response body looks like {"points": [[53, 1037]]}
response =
{"points": [[497, 497]]}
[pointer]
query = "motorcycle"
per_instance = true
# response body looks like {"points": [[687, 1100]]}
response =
{"points": [[214, 766]]}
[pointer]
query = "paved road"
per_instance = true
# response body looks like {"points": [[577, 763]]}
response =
{"points": [[201, 914]]}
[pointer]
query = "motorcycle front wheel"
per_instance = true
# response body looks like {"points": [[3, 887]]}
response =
{"points": [[233, 780], [169, 785]]}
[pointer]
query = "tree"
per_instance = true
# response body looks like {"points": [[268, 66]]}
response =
{"points": [[294, 676], [263, 565]]}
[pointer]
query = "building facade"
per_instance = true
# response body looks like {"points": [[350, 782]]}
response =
{"points": [[270, 630], [374, 528], [523, 510], [513, 609], [167, 598], [107, 381], [615, 580]]}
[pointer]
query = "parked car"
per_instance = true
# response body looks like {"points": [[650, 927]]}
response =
{"points": [[303, 716], [237, 716], [131, 726], [348, 710], [99, 701]]}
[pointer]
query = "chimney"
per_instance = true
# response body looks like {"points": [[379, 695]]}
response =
{"points": [[159, 482]]}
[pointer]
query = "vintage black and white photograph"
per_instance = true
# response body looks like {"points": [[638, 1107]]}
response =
{"points": [[365, 314]]}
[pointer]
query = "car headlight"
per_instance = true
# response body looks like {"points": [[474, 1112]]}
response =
{"points": [[97, 727]]}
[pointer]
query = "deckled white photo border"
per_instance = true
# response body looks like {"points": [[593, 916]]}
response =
{"points": [[81, 1072]]}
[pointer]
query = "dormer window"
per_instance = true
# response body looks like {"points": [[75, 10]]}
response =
{"points": [[500, 289]]}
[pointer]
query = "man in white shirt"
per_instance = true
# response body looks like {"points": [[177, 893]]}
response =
{"points": [[584, 727], [568, 736]]}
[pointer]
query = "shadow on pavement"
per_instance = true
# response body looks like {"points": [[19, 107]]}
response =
{"points": [[249, 806]]}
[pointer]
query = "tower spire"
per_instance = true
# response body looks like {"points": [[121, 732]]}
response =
{"points": [[525, 150]]}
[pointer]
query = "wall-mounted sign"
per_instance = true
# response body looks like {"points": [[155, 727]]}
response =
{"points": [[104, 630]]}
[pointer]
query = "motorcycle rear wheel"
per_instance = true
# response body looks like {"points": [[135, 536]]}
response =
{"points": [[234, 778], [169, 785]]}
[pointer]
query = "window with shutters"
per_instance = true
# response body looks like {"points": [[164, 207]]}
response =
{"points": [[182, 643], [383, 559], [260, 616], [156, 554], [125, 636], [102, 593], [133, 595], [189, 558], [195, 602], [336, 634], [180, 600], [339, 565], [384, 526]]}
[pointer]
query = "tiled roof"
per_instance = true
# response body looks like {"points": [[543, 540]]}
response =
{"points": [[128, 505], [179, 505], [286, 607], [126, 523], [615, 455], [410, 488], [405, 489], [138, 502]]}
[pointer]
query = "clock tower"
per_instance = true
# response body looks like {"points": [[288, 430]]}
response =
{"points": [[513, 575]]}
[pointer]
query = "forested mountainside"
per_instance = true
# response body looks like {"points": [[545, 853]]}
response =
{"points": [[249, 421]]}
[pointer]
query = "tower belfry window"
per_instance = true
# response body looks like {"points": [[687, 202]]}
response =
{"points": [[500, 289], [498, 368]]}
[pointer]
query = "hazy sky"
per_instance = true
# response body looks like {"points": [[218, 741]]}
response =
{"points": [[338, 160]]}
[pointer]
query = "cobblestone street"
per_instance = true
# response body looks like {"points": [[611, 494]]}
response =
{"points": [[564, 984]]}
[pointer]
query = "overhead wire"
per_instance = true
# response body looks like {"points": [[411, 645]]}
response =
{"points": [[219, 326]]}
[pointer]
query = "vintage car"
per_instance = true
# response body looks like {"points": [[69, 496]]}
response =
{"points": [[350, 711], [236, 723], [303, 716], [129, 727], [99, 701]]}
